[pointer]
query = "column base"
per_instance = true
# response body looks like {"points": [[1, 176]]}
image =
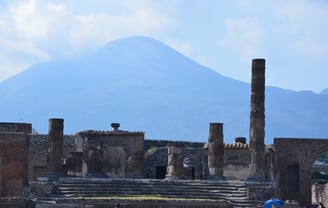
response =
{"points": [[174, 177], [215, 178], [51, 176], [251, 179], [96, 175]]}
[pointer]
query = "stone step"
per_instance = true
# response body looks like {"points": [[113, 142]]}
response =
{"points": [[155, 192], [234, 192], [168, 195], [154, 188], [146, 189], [150, 184]]}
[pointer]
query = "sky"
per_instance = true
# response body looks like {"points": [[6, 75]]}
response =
{"points": [[291, 35]]}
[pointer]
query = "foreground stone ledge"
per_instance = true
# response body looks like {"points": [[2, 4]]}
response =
{"points": [[16, 202], [107, 203]]}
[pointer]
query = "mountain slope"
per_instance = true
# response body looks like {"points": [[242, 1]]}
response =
{"points": [[147, 86]]}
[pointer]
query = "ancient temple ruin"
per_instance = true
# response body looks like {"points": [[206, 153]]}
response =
{"points": [[92, 167]]}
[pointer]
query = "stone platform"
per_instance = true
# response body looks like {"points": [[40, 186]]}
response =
{"points": [[106, 192]]}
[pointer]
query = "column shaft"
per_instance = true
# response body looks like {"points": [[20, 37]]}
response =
{"points": [[215, 150], [55, 144], [257, 120]]}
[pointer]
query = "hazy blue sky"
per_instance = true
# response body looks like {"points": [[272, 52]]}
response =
{"points": [[292, 35]]}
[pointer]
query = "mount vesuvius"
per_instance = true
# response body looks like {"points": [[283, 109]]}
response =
{"points": [[147, 86]]}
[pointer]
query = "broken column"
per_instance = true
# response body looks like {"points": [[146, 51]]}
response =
{"points": [[175, 162], [55, 145], [257, 121], [215, 151]]}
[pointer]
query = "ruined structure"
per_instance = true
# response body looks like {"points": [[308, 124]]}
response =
{"points": [[257, 121], [115, 154], [66, 170], [215, 151], [55, 146]]}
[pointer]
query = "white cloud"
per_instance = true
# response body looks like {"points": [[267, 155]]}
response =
{"points": [[244, 35], [26, 27], [22, 47], [11, 66], [98, 28], [306, 22], [183, 47], [40, 30], [29, 20]]}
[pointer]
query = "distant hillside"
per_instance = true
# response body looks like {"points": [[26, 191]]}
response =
{"points": [[324, 91], [147, 86]]}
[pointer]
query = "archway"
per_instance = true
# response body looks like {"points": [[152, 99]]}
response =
{"points": [[295, 165]]}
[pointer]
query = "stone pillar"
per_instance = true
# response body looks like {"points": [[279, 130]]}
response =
{"points": [[175, 162], [215, 151], [257, 121], [85, 153], [55, 145]]}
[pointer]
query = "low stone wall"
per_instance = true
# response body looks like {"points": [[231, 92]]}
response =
{"points": [[41, 189], [38, 145], [135, 204], [15, 203], [259, 190], [15, 127]]}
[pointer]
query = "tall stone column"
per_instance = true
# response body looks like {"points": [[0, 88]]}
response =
{"points": [[257, 121], [215, 151], [55, 145], [175, 162]]}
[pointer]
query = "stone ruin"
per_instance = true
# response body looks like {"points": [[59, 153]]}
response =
{"points": [[32, 165]]}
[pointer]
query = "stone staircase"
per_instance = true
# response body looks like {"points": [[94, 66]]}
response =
{"points": [[234, 192]]}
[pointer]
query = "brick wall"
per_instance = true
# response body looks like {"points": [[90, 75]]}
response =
{"points": [[38, 153], [295, 159], [14, 159], [236, 164], [15, 127]]}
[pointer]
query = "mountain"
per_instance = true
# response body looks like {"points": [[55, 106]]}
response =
{"points": [[147, 86], [324, 91]]}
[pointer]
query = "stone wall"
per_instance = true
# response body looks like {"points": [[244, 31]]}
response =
{"points": [[165, 143], [137, 204], [37, 156], [13, 163], [320, 193], [15, 203], [113, 153], [235, 163], [295, 159], [15, 127], [155, 158], [235, 158], [38, 153]]}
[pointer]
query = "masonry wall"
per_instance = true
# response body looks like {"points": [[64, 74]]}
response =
{"points": [[156, 156], [295, 159], [38, 153], [15, 203], [236, 158], [13, 163], [236, 163], [15, 127], [166, 204]]}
